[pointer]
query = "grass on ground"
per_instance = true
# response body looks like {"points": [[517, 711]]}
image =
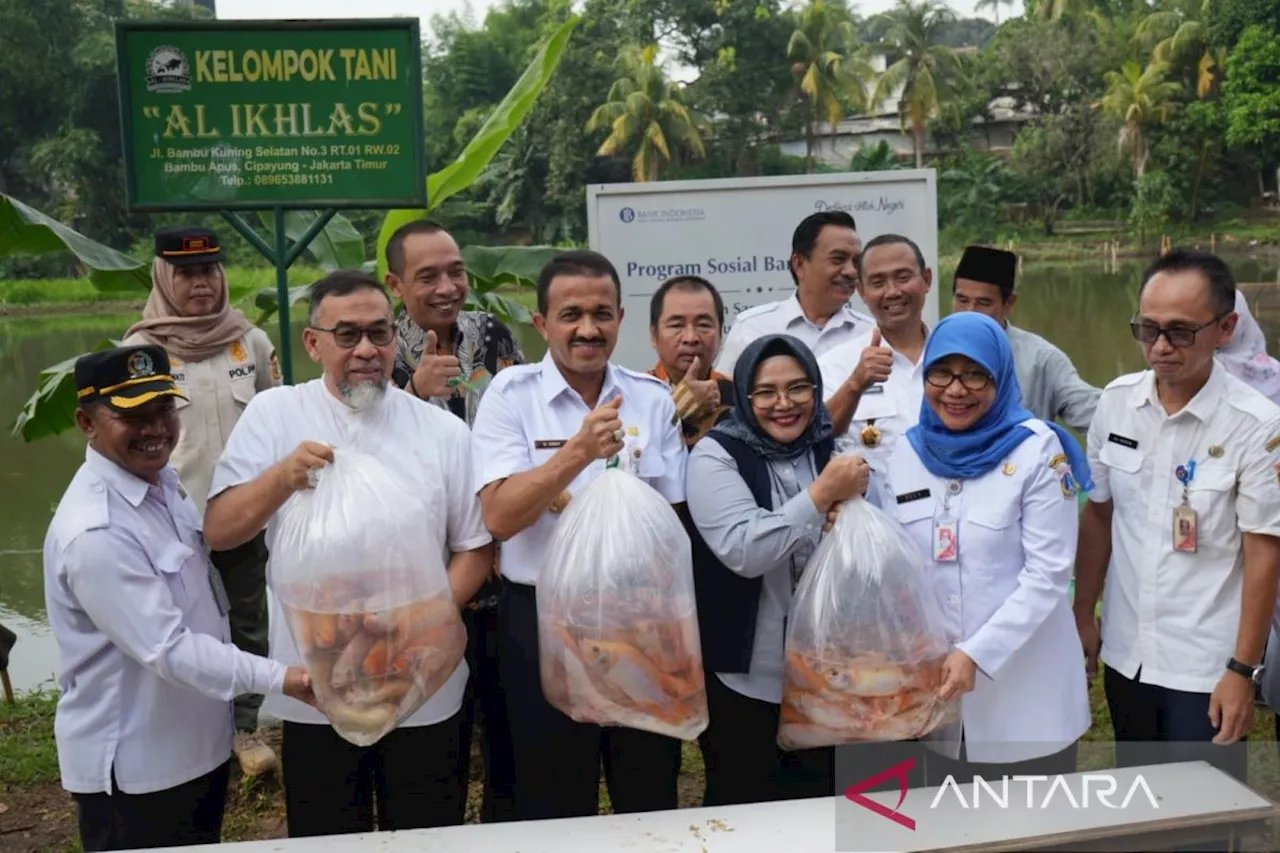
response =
{"points": [[37, 816]]}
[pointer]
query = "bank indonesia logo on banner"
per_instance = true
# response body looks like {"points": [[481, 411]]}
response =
{"points": [[663, 214], [168, 70], [627, 214]]}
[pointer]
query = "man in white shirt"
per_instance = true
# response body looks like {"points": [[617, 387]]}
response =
{"points": [[1051, 387], [410, 778], [873, 383], [824, 266], [144, 724], [544, 432], [1183, 528]]}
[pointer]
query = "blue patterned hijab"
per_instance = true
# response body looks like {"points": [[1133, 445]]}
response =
{"points": [[972, 453]]}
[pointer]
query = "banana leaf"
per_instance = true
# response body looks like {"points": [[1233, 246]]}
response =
{"points": [[26, 231], [501, 265], [338, 246], [52, 409], [474, 159]]}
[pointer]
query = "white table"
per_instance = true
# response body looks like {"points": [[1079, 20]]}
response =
{"points": [[1195, 802]]}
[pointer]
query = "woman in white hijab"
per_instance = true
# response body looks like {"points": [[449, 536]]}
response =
{"points": [[1246, 356]]}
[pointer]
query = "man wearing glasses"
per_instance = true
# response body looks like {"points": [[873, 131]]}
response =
{"points": [[872, 383], [410, 778], [1179, 537]]}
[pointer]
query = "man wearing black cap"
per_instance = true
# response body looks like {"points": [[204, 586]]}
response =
{"points": [[1051, 387], [144, 725], [220, 360]]}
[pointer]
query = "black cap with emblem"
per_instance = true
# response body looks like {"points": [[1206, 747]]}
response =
{"points": [[989, 266], [125, 377], [183, 245]]}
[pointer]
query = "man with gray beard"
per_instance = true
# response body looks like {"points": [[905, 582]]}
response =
{"points": [[409, 779]]}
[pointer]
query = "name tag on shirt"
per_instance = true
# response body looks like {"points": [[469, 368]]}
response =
{"points": [[875, 389], [549, 443], [1123, 441], [913, 496]]}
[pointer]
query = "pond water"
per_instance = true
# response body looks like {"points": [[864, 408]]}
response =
{"points": [[1084, 308]]}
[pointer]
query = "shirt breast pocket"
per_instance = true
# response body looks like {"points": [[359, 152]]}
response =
{"points": [[916, 515], [174, 565], [992, 530], [243, 390], [1124, 466], [1210, 495]]}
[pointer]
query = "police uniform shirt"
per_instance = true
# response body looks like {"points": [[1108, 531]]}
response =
{"points": [[218, 389], [786, 317], [530, 412], [425, 444], [1051, 387], [1175, 614], [148, 672], [892, 407], [1004, 600]]}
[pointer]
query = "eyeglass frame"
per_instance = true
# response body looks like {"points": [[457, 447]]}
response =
{"points": [[810, 390], [362, 331], [1167, 332], [987, 379]]}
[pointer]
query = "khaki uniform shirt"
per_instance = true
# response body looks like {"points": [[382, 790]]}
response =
{"points": [[219, 388]]}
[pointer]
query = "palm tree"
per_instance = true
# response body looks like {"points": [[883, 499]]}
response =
{"points": [[1180, 32], [1139, 98], [827, 66], [926, 72], [993, 5], [644, 110]]}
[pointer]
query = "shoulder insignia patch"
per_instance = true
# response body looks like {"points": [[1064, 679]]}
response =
{"points": [[275, 369], [1273, 443], [1066, 481], [1057, 460]]}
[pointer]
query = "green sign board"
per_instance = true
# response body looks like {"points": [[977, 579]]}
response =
{"points": [[244, 115]]}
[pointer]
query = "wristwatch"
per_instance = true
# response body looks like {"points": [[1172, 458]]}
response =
{"points": [[1253, 673]]}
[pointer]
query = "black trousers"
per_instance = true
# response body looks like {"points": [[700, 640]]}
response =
{"points": [[557, 760], [743, 761], [1156, 725], [962, 770], [190, 813], [486, 708], [407, 780]]}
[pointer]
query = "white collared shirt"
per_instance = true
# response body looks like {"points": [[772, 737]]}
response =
{"points": [[1004, 600], [892, 406], [426, 445], [1176, 615], [787, 317], [147, 669], [528, 414]]}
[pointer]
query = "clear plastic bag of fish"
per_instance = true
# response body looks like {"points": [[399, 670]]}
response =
{"points": [[617, 623], [366, 596], [865, 640]]}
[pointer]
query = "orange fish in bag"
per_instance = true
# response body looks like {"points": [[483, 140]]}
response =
{"points": [[364, 589], [617, 623], [865, 640]]}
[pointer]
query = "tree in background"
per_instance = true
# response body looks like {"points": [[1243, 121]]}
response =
{"points": [[645, 113], [830, 71], [1251, 95], [1139, 98], [993, 5], [925, 74]]}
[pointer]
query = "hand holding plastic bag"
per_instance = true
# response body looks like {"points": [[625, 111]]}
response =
{"points": [[366, 595], [865, 640], [617, 624]]}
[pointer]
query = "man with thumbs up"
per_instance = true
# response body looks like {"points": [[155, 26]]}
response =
{"points": [[544, 431], [875, 382], [686, 317]]}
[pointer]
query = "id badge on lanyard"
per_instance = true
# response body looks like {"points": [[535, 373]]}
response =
{"points": [[1185, 518], [946, 529]]}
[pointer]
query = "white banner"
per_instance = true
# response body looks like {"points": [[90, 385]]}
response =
{"points": [[736, 233]]}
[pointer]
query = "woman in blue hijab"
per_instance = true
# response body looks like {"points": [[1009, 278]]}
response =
{"points": [[988, 494]]}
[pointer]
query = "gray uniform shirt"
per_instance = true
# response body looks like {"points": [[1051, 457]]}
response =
{"points": [[1051, 388]]}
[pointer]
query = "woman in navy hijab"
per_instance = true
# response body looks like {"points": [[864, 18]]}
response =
{"points": [[988, 494]]}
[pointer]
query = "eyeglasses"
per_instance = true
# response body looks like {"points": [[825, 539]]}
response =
{"points": [[767, 398], [348, 337], [974, 380], [1179, 337]]}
